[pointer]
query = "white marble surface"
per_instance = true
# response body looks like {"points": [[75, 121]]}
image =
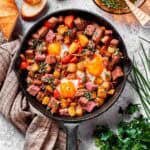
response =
{"points": [[11, 139]]}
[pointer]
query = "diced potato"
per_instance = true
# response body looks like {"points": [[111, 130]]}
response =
{"points": [[93, 95], [72, 67], [30, 61], [99, 101], [45, 100], [49, 88], [83, 40], [54, 49], [81, 66], [101, 93], [73, 104], [62, 29], [34, 67], [111, 49], [111, 92], [71, 111], [66, 39], [64, 103], [56, 74], [79, 111], [98, 80], [106, 85], [73, 47]]}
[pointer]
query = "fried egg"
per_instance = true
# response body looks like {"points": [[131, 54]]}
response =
{"points": [[67, 88]]}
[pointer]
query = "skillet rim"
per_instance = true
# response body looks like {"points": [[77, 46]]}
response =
{"points": [[38, 105]]}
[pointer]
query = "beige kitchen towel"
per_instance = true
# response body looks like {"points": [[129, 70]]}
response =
{"points": [[41, 133]]}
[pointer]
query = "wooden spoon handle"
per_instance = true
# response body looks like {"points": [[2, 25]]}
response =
{"points": [[141, 16]]}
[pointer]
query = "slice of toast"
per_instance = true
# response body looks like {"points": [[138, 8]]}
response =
{"points": [[8, 17], [30, 12], [7, 25]]}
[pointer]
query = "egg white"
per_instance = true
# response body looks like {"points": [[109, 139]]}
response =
{"points": [[64, 48]]}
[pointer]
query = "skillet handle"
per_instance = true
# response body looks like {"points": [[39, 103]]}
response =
{"points": [[71, 130]]}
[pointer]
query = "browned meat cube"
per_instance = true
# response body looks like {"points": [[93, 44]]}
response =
{"points": [[106, 39], [51, 60], [40, 96], [80, 23], [97, 35], [39, 57], [50, 36], [33, 90], [90, 30], [117, 73], [42, 31], [114, 42], [59, 37], [60, 19], [53, 21], [108, 32], [115, 59]]}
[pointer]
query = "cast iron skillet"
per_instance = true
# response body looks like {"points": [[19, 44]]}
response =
{"points": [[72, 124]]}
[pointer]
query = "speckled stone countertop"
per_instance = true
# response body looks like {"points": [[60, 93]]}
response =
{"points": [[11, 139]]}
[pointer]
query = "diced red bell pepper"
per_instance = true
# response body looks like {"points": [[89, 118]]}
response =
{"points": [[23, 65], [56, 93], [47, 24], [74, 60], [77, 41], [66, 59], [69, 21], [80, 49]]}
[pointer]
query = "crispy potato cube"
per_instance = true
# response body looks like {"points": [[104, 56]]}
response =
{"points": [[83, 40], [72, 67], [111, 92], [49, 88], [56, 74], [66, 39], [99, 101], [45, 100], [101, 93], [98, 80], [34, 67], [71, 111], [64, 103], [81, 66], [106, 85], [62, 29], [73, 47], [79, 111]]}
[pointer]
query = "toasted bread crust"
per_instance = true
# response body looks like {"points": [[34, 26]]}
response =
{"points": [[32, 2], [30, 12]]}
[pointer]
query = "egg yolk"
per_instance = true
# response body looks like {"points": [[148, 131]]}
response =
{"points": [[54, 49], [95, 66], [67, 89]]}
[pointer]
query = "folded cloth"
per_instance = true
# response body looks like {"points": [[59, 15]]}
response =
{"points": [[41, 133]]}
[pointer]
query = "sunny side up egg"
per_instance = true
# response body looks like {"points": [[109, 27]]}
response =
{"points": [[67, 88]]}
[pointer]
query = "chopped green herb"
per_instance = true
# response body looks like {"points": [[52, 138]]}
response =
{"points": [[88, 95], [132, 108], [116, 4], [132, 135]]}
